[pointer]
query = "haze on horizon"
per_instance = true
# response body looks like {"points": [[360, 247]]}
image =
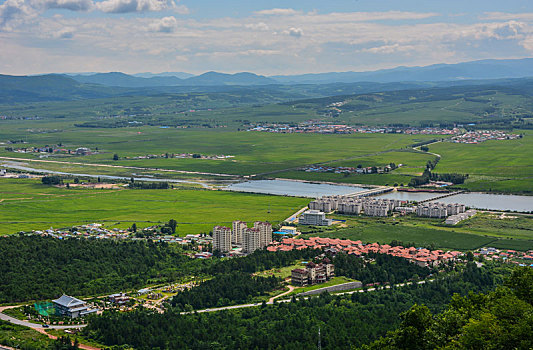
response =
{"points": [[269, 38]]}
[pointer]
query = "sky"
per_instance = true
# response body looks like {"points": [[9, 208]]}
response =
{"points": [[265, 37]]}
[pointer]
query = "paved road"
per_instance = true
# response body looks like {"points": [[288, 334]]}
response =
{"points": [[22, 160], [13, 320], [289, 300]]}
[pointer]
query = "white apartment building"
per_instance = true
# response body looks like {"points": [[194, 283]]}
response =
{"points": [[265, 229], [251, 240], [237, 231], [222, 238]]}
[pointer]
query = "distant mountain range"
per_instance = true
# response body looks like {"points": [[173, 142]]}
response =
{"points": [[485, 69], [206, 79], [57, 87]]}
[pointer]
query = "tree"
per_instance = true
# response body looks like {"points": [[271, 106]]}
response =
{"points": [[134, 227], [115, 156], [521, 282], [172, 224]]}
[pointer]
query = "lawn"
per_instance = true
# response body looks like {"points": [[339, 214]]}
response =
{"points": [[28, 205]]}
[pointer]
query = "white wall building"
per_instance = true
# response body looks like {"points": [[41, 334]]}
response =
{"points": [[222, 238], [314, 217]]}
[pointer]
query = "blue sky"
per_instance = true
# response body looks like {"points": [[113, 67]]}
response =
{"points": [[265, 37]]}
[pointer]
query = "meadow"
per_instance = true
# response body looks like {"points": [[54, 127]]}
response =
{"points": [[254, 152], [29, 205], [505, 166]]}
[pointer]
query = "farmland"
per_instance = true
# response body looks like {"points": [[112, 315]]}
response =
{"points": [[29, 205]]}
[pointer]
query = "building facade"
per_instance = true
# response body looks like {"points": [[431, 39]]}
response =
{"points": [[222, 238], [314, 217], [313, 273], [265, 230], [237, 231], [251, 240]]}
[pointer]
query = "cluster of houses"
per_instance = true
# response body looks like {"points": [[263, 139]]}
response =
{"points": [[507, 255], [97, 231], [351, 170], [240, 235], [181, 155], [324, 128], [80, 151], [420, 256], [478, 136]]}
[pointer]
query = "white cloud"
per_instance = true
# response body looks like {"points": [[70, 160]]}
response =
{"points": [[296, 32], [72, 5], [126, 6], [64, 33], [164, 25], [525, 16], [277, 12], [262, 26], [296, 42]]}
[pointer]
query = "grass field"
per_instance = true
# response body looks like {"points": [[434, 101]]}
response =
{"points": [[20, 337], [29, 205], [493, 165], [254, 152]]}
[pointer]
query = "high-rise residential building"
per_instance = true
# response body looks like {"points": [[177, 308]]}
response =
{"points": [[222, 238], [237, 231], [265, 229], [251, 240]]}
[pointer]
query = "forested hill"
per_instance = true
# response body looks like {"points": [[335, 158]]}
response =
{"points": [[345, 322]]}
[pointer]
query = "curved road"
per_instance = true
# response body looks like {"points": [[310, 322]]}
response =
{"points": [[13, 320]]}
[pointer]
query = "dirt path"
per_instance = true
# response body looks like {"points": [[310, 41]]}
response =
{"points": [[271, 300], [82, 346]]}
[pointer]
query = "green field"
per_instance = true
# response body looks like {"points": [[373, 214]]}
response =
{"points": [[254, 152], [29, 205], [505, 166]]}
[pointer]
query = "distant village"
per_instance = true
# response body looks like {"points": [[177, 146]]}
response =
{"points": [[479, 136], [56, 149], [351, 170], [182, 155], [324, 128]]}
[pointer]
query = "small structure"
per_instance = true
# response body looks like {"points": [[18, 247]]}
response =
{"points": [[71, 307], [289, 230], [119, 298]]}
